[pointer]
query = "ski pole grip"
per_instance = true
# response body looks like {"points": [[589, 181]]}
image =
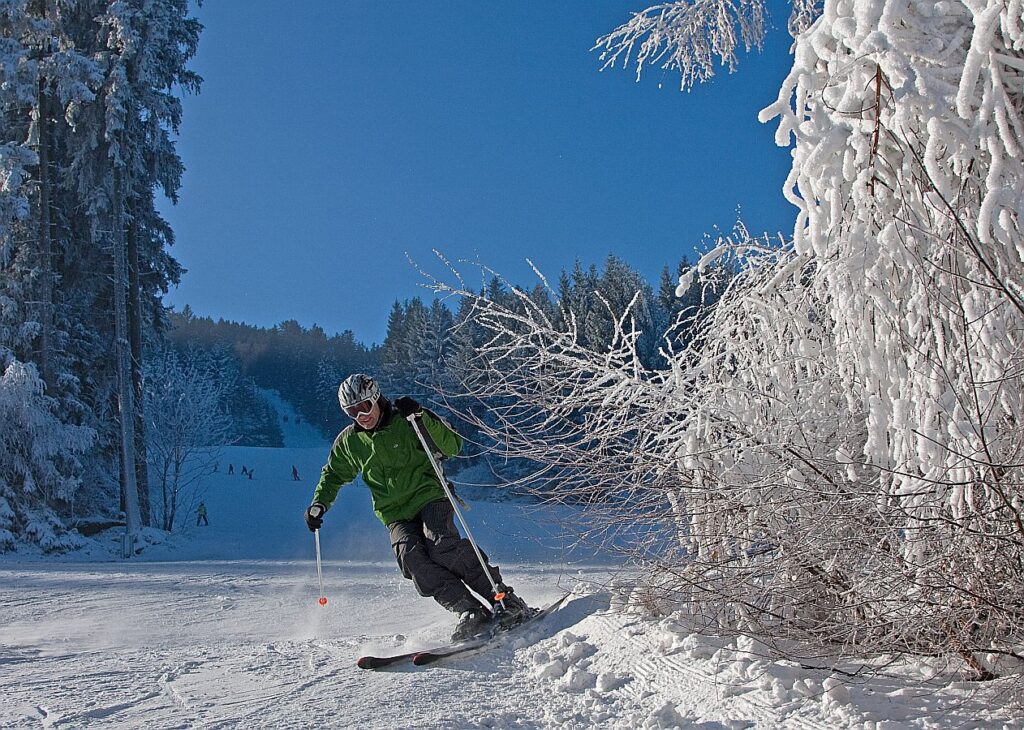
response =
{"points": [[316, 510]]}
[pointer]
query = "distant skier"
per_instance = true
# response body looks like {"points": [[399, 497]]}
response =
{"points": [[382, 446], [245, 472], [215, 466], [231, 469], [201, 515], [250, 473], [295, 474]]}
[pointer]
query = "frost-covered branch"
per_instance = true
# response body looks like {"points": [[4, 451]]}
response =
{"points": [[691, 38]]}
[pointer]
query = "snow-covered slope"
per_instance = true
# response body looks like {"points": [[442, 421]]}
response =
{"points": [[262, 517], [220, 627], [297, 432]]}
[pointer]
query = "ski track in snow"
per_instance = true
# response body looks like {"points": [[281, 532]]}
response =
{"points": [[176, 659], [687, 686], [219, 628]]}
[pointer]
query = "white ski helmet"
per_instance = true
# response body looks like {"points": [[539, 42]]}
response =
{"points": [[355, 388]]}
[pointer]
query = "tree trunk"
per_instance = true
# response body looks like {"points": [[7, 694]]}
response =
{"points": [[135, 325], [165, 492], [175, 486], [122, 348], [45, 290]]}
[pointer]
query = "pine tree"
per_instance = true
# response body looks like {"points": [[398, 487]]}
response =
{"points": [[436, 343], [415, 350], [38, 459], [87, 111], [392, 350], [540, 296], [620, 292]]}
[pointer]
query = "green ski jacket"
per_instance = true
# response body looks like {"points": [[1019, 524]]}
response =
{"points": [[393, 464]]}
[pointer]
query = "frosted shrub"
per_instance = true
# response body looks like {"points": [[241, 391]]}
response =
{"points": [[909, 181], [835, 458], [37, 461], [186, 422]]}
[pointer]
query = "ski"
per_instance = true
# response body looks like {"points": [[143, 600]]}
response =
{"points": [[376, 662], [432, 655]]}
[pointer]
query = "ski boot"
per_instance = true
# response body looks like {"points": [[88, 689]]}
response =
{"points": [[515, 612], [472, 623]]}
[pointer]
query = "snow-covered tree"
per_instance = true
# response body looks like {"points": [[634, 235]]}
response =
{"points": [[619, 289], [868, 375], [146, 46], [186, 424], [38, 460], [834, 457], [89, 104]]}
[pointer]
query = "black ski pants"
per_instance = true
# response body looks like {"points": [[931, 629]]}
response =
{"points": [[440, 563]]}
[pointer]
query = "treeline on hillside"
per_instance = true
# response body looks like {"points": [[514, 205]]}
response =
{"points": [[303, 365], [425, 349], [249, 419], [88, 112], [429, 351]]}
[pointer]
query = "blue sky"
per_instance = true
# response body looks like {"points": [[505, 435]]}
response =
{"points": [[331, 139]]}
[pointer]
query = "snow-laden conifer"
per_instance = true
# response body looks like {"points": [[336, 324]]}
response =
{"points": [[88, 104], [38, 460]]}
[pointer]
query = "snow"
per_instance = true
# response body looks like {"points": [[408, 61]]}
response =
{"points": [[296, 431], [219, 627]]}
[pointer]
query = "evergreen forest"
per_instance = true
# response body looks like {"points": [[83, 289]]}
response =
{"points": [[424, 353]]}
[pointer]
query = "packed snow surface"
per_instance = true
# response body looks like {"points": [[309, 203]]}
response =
{"points": [[219, 626]]}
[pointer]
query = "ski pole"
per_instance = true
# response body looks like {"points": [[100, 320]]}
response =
{"points": [[319, 569], [499, 596]]}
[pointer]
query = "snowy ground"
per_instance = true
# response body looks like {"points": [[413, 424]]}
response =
{"points": [[220, 627]]}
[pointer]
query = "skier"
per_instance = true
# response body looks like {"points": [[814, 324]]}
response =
{"points": [[382, 446], [295, 474], [201, 515], [245, 472], [231, 469]]}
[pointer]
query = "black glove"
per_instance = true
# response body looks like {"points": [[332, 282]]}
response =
{"points": [[315, 516], [406, 406]]}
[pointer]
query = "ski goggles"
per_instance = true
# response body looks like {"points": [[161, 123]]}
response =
{"points": [[357, 409]]}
